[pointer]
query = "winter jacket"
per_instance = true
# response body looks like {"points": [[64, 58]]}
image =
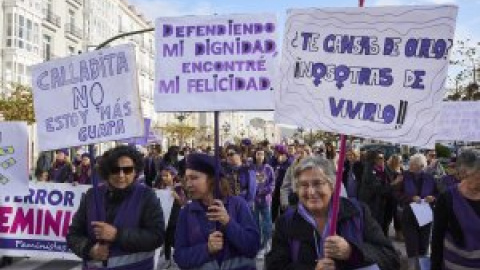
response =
{"points": [[372, 248], [147, 237], [241, 237]]}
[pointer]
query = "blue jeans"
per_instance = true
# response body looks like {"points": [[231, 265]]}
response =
{"points": [[263, 216]]}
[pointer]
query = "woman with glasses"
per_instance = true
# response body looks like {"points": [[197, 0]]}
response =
{"points": [[417, 186], [120, 224], [240, 175], [215, 230], [456, 226], [301, 240]]}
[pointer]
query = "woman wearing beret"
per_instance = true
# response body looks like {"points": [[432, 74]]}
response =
{"points": [[214, 233]]}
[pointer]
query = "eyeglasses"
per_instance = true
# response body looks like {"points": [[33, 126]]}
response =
{"points": [[316, 185], [230, 154], [125, 170]]}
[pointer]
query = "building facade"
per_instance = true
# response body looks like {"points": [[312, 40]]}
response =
{"points": [[34, 31]]}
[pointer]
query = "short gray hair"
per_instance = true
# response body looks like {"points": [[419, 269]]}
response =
{"points": [[419, 159], [469, 160], [315, 162]]}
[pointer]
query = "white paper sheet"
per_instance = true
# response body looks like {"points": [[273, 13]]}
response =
{"points": [[423, 213]]}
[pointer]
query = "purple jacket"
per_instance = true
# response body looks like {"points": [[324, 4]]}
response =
{"points": [[241, 238], [265, 183], [246, 179]]}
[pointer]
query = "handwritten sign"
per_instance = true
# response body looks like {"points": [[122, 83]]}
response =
{"points": [[207, 63], [459, 121], [369, 72], [13, 158], [35, 225], [89, 98]]}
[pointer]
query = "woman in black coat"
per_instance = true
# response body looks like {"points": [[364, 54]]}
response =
{"points": [[376, 188], [301, 240]]}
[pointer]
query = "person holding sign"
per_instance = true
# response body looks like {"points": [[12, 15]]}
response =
{"points": [[214, 232], [301, 240], [118, 225], [416, 186], [456, 225]]}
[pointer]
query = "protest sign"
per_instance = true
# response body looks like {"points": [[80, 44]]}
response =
{"points": [[215, 63], [370, 72], [36, 225], [13, 158], [89, 98], [459, 121], [144, 139]]}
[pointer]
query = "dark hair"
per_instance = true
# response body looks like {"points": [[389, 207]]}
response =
{"points": [[372, 156], [111, 157], [255, 156], [39, 172], [330, 151]]}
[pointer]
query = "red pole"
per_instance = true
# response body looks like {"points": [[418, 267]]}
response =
{"points": [[338, 186], [338, 182]]}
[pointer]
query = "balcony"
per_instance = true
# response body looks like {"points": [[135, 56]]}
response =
{"points": [[70, 29], [52, 18]]}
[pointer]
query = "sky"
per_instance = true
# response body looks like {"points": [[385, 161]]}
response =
{"points": [[468, 21]]}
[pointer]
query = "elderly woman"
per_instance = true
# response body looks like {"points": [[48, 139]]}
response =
{"points": [[214, 232], [456, 226], [300, 239], [119, 225], [416, 185]]}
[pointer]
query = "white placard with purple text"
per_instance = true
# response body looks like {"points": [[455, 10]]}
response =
{"points": [[215, 63], [88, 98], [374, 72], [13, 158], [459, 121]]}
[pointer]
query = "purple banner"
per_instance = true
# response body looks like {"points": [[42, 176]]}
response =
{"points": [[38, 245]]}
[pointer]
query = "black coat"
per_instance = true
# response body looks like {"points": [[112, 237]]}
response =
{"points": [[357, 171], [148, 237], [375, 192], [376, 248]]}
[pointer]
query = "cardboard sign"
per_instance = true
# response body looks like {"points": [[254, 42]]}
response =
{"points": [[89, 98], [215, 63], [370, 72]]}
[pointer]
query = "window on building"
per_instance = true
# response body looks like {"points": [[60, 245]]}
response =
{"points": [[49, 6], [9, 36], [71, 17], [21, 31], [47, 47], [20, 72], [71, 50], [29, 35], [36, 34]]}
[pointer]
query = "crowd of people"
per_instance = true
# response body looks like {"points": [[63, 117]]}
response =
{"points": [[271, 202]]}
